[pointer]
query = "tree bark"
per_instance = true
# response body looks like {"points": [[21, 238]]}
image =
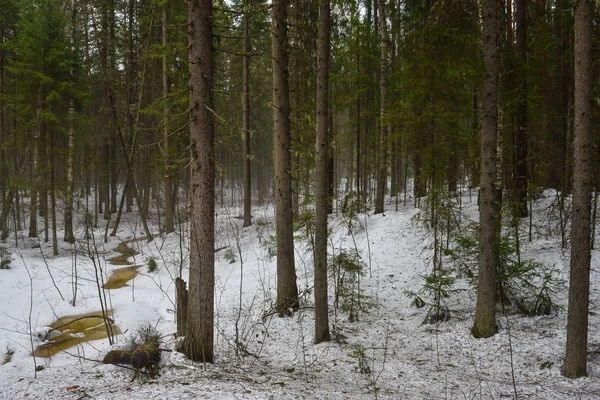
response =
{"points": [[52, 171], [246, 120], [181, 296], [68, 221], [521, 152], [321, 177], [69, 237], [287, 291], [579, 288], [3, 168], [485, 313], [383, 124], [34, 186], [199, 336], [169, 203]]}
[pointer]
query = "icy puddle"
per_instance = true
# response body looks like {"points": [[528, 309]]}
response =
{"points": [[119, 277], [72, 330]]}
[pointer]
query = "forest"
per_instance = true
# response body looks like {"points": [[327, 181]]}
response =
{"points": [[299, 198]]}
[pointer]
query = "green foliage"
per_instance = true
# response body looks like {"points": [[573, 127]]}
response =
{"points": [[527, 285], [230, 255], [267, 241], [347, 269], [438, 286], [152, 265], [5, 258], [42, 62], [359, 353], [352, 207], [39, 368], [7, 356], [304, 225]]}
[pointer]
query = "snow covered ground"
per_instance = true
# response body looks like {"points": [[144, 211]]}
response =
{"points": [[386, 354]]}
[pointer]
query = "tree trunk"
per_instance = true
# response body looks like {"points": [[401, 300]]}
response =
{"points": [[129, 95], [181, 296], [34, 185], [321, 178], [69, 237], [383, 124], [3, 167], [579, 288], [246, 120], [199, 336], [485, 313], [287, 291], [169, 203], [521, 165], [53, 196]]}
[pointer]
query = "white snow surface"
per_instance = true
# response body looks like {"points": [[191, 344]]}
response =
{"points": [[406, 359]]}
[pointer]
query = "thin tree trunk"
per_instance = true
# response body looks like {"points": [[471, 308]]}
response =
{"points": [[53, 196], [383, 123], [34, 185], [287, 291], [129, 94], [69, 237], [106, 191], [169, 203], [246, 120], [199, 336], [521, 152], [3, 166], [321, 178], [579, 288], [358, 121], [485, 313]]}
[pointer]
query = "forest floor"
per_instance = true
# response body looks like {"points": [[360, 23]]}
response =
{"points": [[386, 352]]}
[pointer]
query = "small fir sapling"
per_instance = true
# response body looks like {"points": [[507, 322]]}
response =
{"points": [[152, 264], [5, 258]]}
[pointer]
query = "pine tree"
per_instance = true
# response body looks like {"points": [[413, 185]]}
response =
{"points": [[321, 179], [579, 289], [199, 336], [287, 291], [485, 314]]}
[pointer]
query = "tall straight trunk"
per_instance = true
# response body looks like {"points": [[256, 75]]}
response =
{"points": [[322, 178], [579, 288], [475, 167], [297, 155], [129, 95], [485, 313], [287, 291], [68, 206], [3, 167], [246, 119], [383, 124], [521, 153], [394, 143], [509, 22], [42, 172], [199, 336], [69, 237], [168, 182], [106, 194], [358, 120], [111, 205], [53, 195], [34, 183]]}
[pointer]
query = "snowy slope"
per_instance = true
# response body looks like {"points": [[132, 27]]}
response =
{"points": [[400, 358]]}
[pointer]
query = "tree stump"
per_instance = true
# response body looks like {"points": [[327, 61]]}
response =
{"points": [[181, 294]]}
